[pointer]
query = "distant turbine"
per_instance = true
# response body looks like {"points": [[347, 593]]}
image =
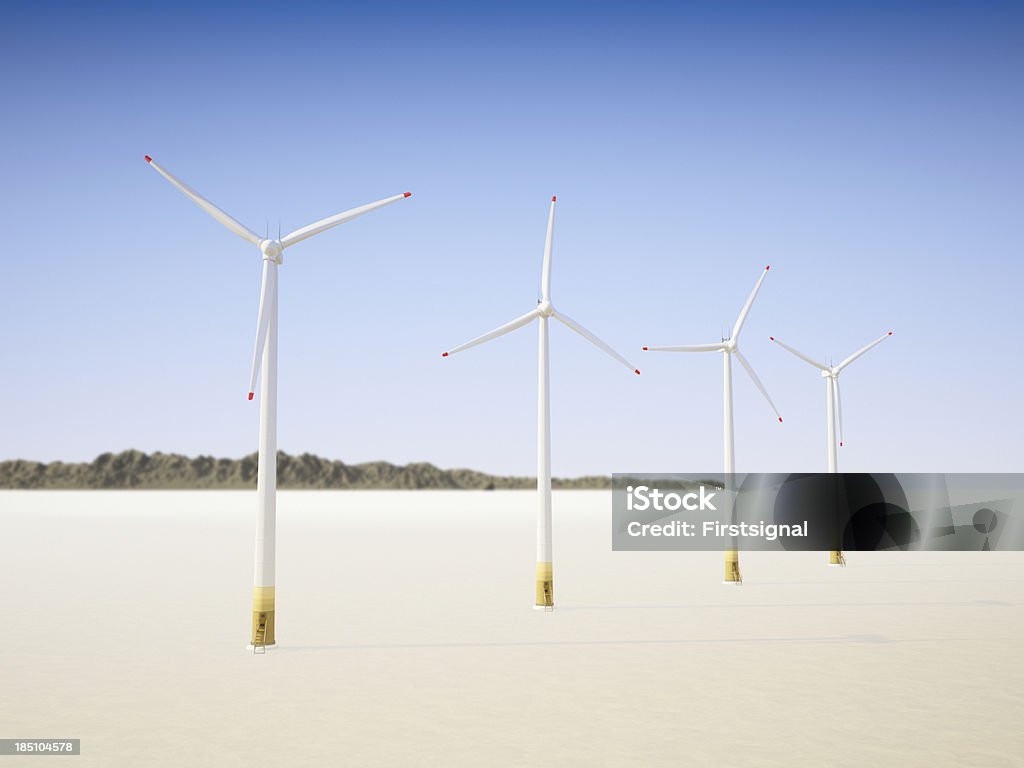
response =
{"points": [[545, 590], [835, 410], [265, 355], [729, 347]]}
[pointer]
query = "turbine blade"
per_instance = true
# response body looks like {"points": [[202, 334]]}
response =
{"points": [[861, 351], [572, 325], [339, 218], [545, 278], [519, 322], [801, 355], [688, 348], [268, 294], [238, 228], [757, 381], [750, 301], [839, 409]]}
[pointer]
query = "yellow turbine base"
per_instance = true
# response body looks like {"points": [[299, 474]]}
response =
{"points": [[836, 557], [262, 614], [545, 586], [732, 567]]}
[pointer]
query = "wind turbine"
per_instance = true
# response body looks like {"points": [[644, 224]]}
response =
{"points": [[545, 591], [264, 356], [834, 405], [729, 347]]}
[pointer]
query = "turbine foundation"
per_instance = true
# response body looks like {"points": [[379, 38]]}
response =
{"points": [[545, 587], [732, 568], [262, 618]]}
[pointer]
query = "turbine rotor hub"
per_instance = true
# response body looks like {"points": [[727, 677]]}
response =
{"points": [[546, 309], [272, 250]]}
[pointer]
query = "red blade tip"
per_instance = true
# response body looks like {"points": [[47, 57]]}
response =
{"points": [[769, 266], [890, 333], [408, 194], [780, 419], [444, 354], [840, 445], [645, 349], [636, 371], [148, 159], [553, 198], [251, 395], [772, 338]]}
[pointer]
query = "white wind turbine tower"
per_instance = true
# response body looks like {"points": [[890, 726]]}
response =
{"points": [[545, 593], [834, 406], [729, 348], [264, 357]]}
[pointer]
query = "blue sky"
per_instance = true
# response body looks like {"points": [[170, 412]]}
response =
{"points": [[871, 153]]}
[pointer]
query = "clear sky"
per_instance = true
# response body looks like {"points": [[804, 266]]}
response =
{"points": [[871, 153]]}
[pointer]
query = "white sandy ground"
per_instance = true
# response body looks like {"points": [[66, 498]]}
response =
{"points": [[407, 638]]}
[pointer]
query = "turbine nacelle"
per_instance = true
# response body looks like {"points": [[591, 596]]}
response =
{"points": [[272, 250]]}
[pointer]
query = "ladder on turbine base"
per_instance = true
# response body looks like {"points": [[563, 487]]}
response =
{"points": [[549, 599], [258, 640], [737, 577]]}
